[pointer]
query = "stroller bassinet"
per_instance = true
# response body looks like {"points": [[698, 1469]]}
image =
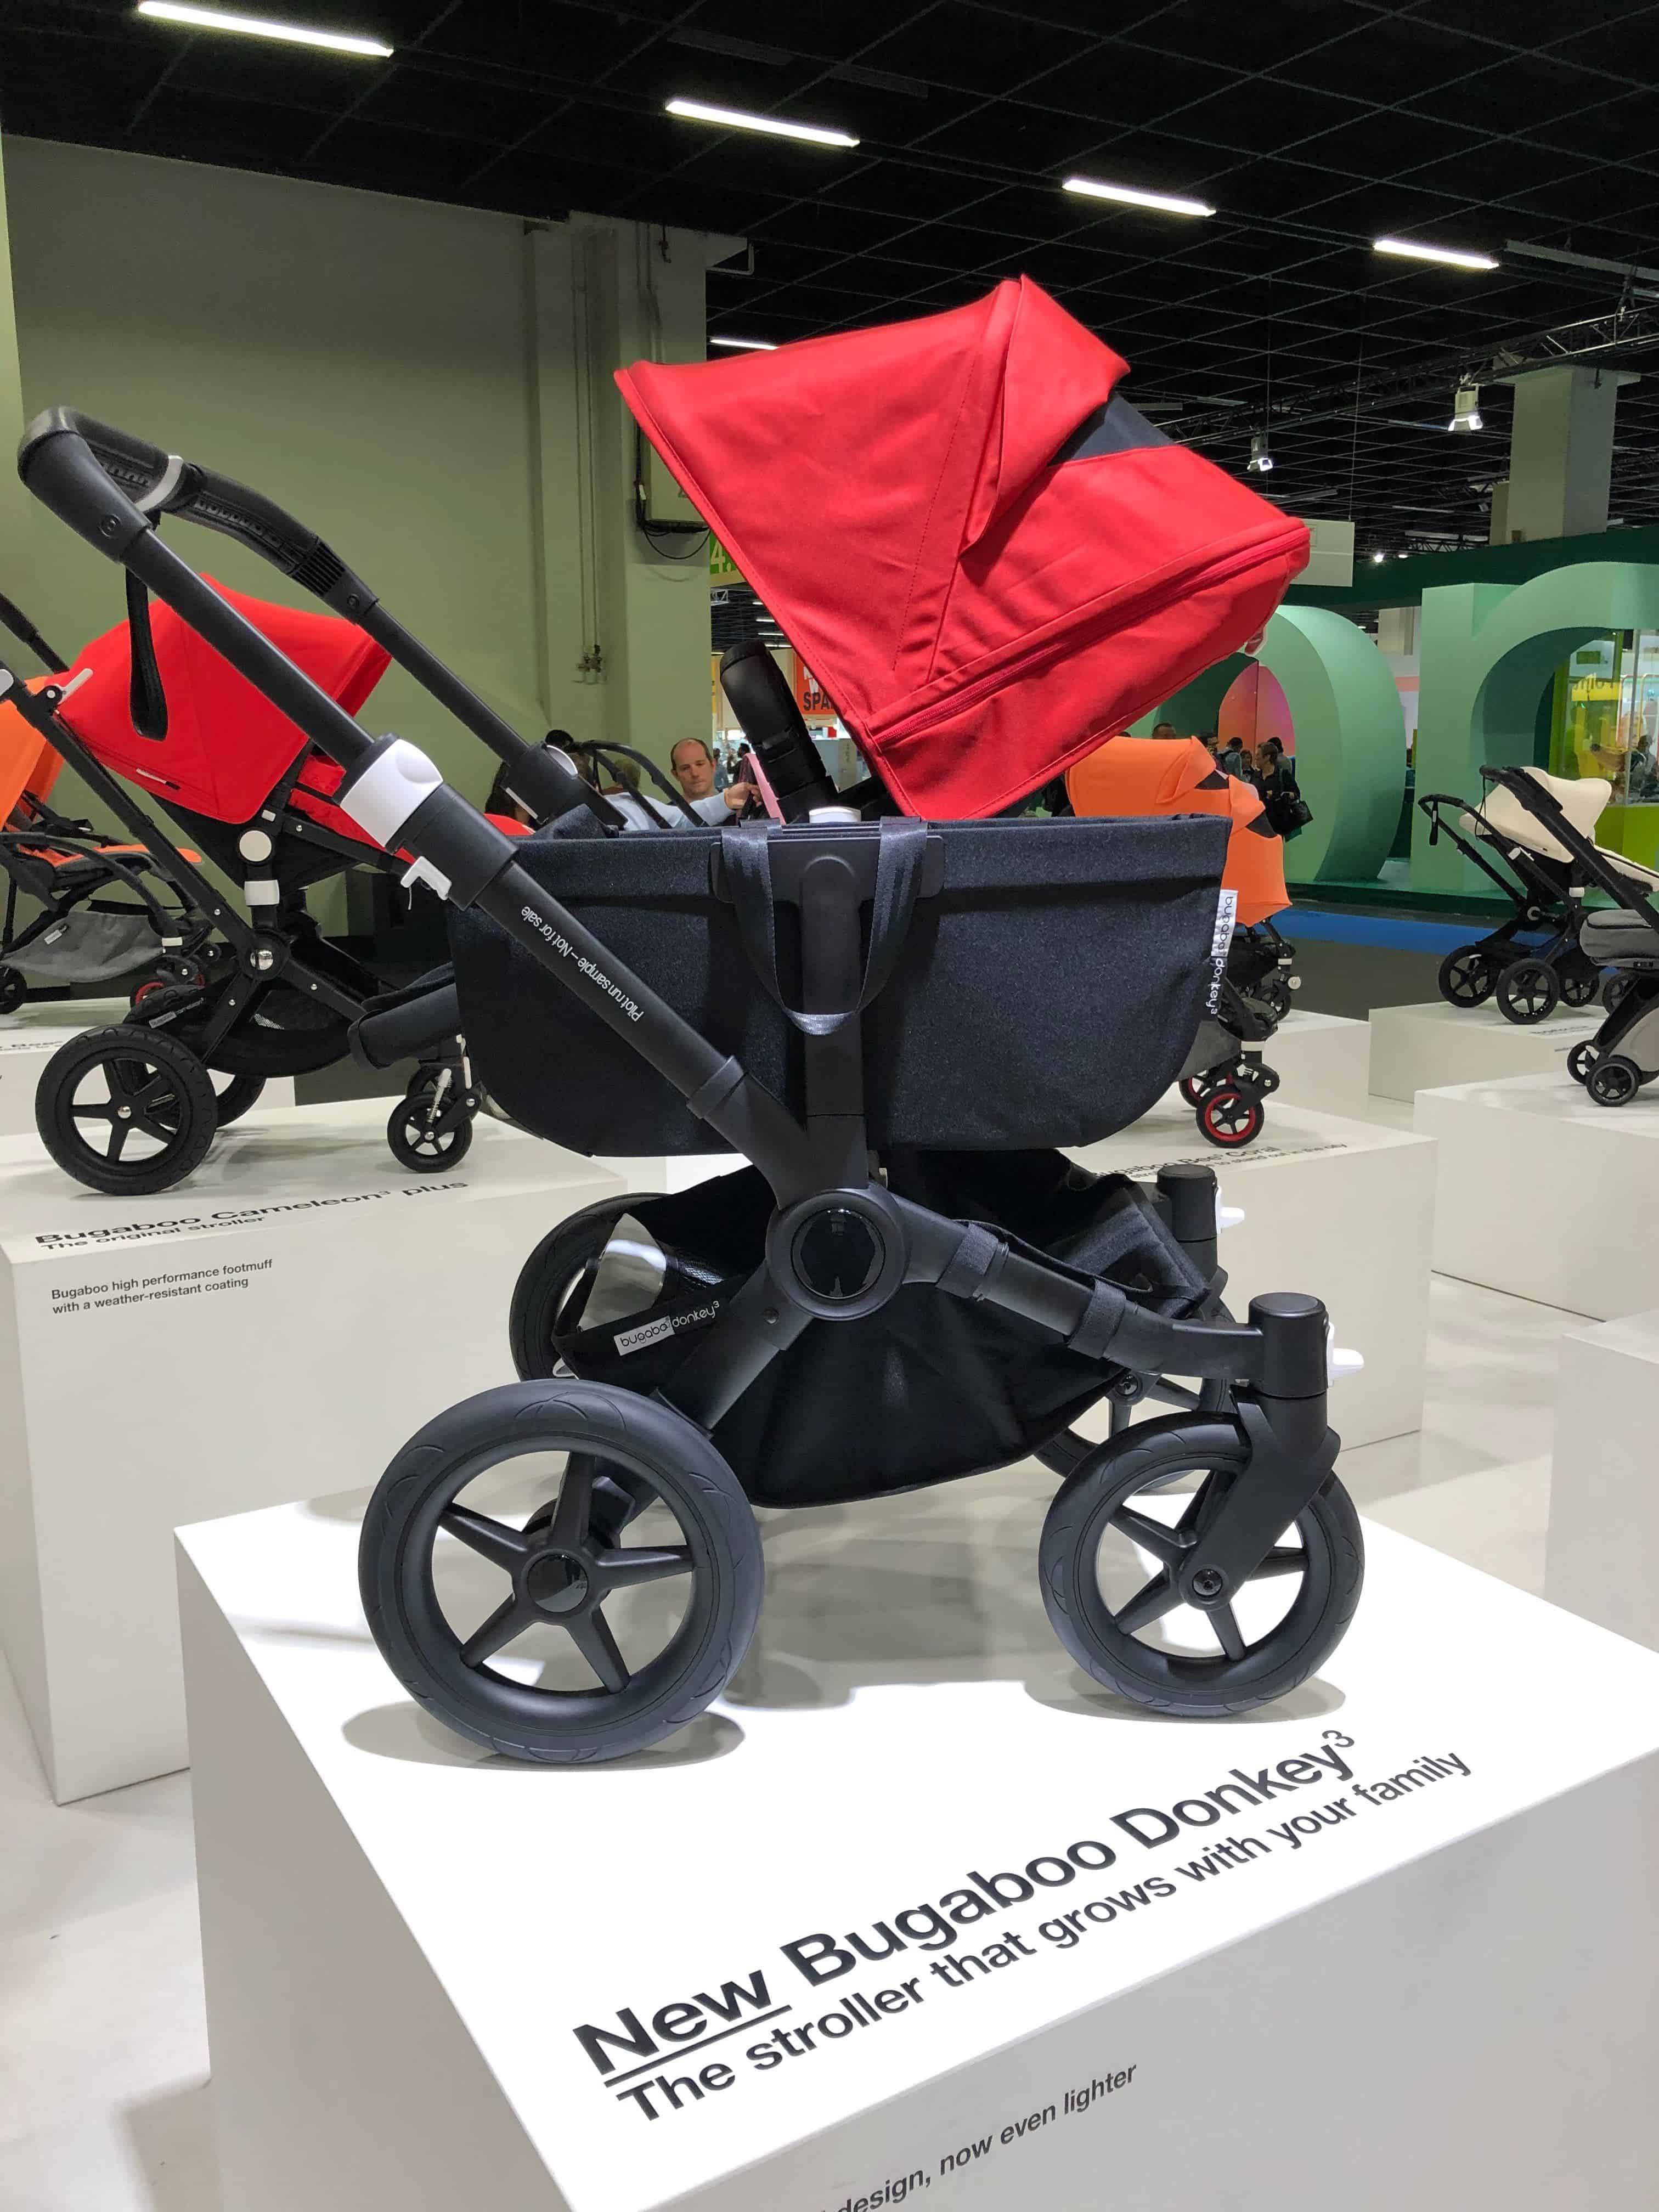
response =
{"points": [[1224, 1078], [831, 1269]]}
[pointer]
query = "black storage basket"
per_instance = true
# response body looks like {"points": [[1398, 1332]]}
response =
{"points": [[1047, 992]]}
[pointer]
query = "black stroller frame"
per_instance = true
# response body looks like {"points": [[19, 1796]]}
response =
{"points": [[1613, 1065], [840, 1245], [1530, 980]]}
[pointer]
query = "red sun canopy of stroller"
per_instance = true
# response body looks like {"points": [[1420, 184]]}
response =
{"points": [[982, 611], [227, 747]]}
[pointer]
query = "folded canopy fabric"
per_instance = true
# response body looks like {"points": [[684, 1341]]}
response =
{"points": [[227, 747], [1153, 775], [983, 604]]}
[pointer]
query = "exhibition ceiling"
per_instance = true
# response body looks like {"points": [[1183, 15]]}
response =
{"points": [[1311, 127]]}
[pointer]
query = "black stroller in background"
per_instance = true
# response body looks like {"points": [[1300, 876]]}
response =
{"points": [[906, 1286], [1534, 962], [245, 996], [1624, 1053]]}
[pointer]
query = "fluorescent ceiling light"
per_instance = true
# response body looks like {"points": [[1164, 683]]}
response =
{"points": [[774, 126], [1409, 249], [747, 345], [259, 27], [1167, 202]]}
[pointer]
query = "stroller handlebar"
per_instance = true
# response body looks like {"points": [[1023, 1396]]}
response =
{"points": [[52, 462]]}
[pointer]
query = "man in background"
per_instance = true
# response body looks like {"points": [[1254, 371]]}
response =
{"points": [[692, 762]]}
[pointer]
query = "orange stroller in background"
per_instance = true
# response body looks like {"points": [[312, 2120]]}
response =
{"points": [[101, 927], [1226, 1079]]}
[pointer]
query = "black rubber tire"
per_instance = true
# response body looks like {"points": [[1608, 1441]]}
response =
{"points": [[426, 1151], [1613, 1081], [241, 1094], [1579, 983], [1193, 1088], [1466, 976], [1528, 991], [14, 990], [1231, 1117], [545, 1278], [185, 1115], [1149, 1456], [643, 1438], [1615, 990], [1582, 1059]]}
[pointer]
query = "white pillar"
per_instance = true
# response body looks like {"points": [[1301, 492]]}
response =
{"points": [[1560, 451]]}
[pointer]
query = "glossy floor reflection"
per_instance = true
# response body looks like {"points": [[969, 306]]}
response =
{"points": [[103, 2056]]}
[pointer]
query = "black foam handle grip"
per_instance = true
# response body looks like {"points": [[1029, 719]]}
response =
{"points": [[763, 703], [55, 470]]}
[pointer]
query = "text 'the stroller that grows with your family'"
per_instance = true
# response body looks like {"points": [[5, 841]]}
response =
{"points": [[907, 1285]]}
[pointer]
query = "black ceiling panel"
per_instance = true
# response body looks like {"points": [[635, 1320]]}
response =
{"points": [[1314, 127]]}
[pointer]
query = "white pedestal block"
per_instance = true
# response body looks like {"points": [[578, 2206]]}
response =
{"points": [[1540, 1193], [1341, 1209], [1397, 1934], [1416, 1048], [657, 1172], [284, 1319], [29, 1037], [1322, 1061], [1602, 1558]]}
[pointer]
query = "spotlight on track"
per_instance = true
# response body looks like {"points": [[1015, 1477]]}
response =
{"points": [[1261, 459], [1466, 411]]}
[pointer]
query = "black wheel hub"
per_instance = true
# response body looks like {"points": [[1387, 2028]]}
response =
{"points": [[558, 1583]]}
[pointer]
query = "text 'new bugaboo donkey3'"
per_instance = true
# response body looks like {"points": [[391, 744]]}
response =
{"points": [[903, 1287]]}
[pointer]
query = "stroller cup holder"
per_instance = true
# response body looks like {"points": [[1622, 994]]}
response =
{"points": [[927, 1312]]}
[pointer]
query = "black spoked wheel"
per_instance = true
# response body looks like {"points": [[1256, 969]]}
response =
{"points": [[1616, 989], [125, 1110], [1112, 1547], [538, 1632], [1231, 1117], [1468, 977], [1528, 991], [13, 990], [1582, 1059], [1193, 1088], [1614, 1080], [1579, 984], [431, 1125], [1274, 992]]}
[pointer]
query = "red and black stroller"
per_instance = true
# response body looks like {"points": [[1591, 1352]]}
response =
{"points": [[249, 992], [1225, 1079], [104, 918], [897, 1021]]}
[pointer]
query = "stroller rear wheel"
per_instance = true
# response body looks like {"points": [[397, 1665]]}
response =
{"points": [[1468, 977], [13, 990], [543, 1635], [125, 1110], [1579, 983], [1115, 1519], [1230, 1116], [1528, 991]]}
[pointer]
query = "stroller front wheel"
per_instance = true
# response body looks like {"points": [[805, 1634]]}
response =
{"points": [[126, 1110], [14, 989], [1230, 1115], [427, 1138], [1110, 1549], [1468, 977], [543, 1635], [1528, 991]]}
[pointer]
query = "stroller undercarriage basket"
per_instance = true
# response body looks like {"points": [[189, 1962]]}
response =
{"points": [[1045, 991]]}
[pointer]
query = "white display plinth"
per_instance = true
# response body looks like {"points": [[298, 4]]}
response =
{"points": [[1416, 1048], [1340, 1209], [285, 1318], [657, 1172], [29, 1037], [1320, 1060], [1427, 1958], [1602, 1558], [1541, 1194]]}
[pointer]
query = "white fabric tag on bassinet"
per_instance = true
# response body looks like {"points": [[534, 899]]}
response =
{"points": [[1226, 914]]}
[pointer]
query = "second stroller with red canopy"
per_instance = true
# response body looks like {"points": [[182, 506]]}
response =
{"points": [[908, 1284]]}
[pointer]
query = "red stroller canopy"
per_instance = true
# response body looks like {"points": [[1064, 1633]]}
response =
{"points": [[982, 611], [227, 748]]}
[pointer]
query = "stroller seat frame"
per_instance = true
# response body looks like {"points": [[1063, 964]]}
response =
{"points": [[839, 1246]]}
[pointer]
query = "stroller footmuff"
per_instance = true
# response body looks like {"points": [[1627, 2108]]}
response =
{"points": [[895, 1023]]}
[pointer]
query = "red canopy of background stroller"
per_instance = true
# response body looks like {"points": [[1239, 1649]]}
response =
{"points": [[227, 747], [982, 612]]}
